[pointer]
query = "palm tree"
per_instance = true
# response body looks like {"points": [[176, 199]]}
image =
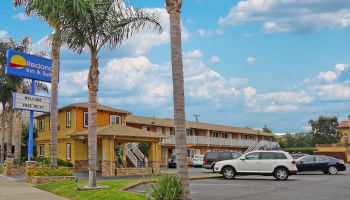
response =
{"points": [[173, 7], [103, 23], [51, 11]]}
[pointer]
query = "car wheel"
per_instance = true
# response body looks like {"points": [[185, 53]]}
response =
{"points": [[229, 173], [281, 173], [332, 170]]}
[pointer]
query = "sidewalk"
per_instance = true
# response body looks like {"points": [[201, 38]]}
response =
{"points": [[13, 190]]}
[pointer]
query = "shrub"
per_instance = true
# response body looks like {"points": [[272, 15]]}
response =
{"points": [[168, 187], [60, 163], [1, 169], [44, 170], [300, 150]]}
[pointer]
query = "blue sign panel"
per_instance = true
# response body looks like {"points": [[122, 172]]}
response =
{"points": [[28, 66]]}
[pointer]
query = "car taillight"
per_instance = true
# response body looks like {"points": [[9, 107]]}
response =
{"points": [[205, 161]]}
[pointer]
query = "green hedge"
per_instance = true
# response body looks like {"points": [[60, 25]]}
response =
{"points": [[308, 150], [1, 169], [60, 163]]}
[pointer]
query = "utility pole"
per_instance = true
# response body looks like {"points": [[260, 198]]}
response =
{"points": [[196, 116]]}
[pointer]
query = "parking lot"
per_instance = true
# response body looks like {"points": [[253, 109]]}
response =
{"points": [[306, 186]]}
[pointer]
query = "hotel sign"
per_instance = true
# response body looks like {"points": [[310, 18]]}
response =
{"points": [[31, 102], [28, 66]]}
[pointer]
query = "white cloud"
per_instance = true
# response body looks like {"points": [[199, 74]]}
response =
{"points": [[3, 34], [335, 91], [341, 67], [250, 60], [203, 32], [73, 83], [290, 15], [214, 59], [328, 76], [21, 16], [194, 54], [145, 40], [275, 101]]}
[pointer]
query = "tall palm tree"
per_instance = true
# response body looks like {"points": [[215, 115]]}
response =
{"points": [[54, 13], [173, 7], [103, 23]]}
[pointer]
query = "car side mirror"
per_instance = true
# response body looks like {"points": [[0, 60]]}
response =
{"points": [[242, 158]]}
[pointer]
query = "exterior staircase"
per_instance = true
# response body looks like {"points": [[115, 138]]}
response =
{"points": [[135, 156]]}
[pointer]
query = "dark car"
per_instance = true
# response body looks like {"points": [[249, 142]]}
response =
{"points": [[326, 164], [172, 162], [212, 157]]}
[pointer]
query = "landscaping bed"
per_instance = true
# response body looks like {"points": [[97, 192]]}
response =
{"points": [[68, 190]]}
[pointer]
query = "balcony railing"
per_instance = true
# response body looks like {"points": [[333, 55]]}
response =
{"points": [[202, 140]]}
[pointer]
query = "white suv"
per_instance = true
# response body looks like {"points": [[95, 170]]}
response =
{"points": [[275, 163]]}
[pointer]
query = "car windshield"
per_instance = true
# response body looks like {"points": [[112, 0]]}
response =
{"points": [[236, 155], [306, 158]]}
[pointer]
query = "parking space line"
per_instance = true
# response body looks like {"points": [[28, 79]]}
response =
{"points": [[203, 184]]}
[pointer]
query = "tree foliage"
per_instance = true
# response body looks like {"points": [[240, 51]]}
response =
{"points": [[324, 130]]}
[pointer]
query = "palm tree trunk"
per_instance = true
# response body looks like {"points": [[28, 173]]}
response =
{"points": [[174, 9], [93, 81], [2, 139], [8, 130], [55, 55], [18, 133]]}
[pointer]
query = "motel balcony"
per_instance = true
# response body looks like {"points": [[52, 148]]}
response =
{"points": [[210, 141]]}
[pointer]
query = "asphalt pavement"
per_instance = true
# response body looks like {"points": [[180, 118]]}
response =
{"points": [[304, 186]]}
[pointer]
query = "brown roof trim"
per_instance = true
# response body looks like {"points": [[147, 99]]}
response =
{"points": [[85, 105], [167, 122], [120, 130]]}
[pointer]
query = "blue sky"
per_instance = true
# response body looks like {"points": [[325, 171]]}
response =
{"points": [[247, 63]]}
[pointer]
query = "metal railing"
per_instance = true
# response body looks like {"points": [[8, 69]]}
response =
{"points": [[131, 157], [203, 140], [133, 147]]}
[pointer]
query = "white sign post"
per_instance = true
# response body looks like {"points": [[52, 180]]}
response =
{"points": [[31, 102]]}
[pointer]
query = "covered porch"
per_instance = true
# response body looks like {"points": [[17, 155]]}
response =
{"points": [[121, 151]]}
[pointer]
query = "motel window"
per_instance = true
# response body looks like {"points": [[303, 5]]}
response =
{"points": [[42, 125], [86, 119], [159, 130], [68, 119], [225, 135], [114, 119], [68, 151], [189, 132], [167, 131], [146, 128], [190, 153], [214, 134], [41, 150], [172, 132]]}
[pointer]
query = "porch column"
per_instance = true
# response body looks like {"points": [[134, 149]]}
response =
{"points": [[154, 156], [108, 157], [124, 153]]}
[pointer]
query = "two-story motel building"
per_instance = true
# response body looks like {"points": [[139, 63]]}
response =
{"points": [[119, 132]]}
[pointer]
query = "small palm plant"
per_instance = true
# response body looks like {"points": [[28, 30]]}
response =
{"points": [[168, 187]]}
